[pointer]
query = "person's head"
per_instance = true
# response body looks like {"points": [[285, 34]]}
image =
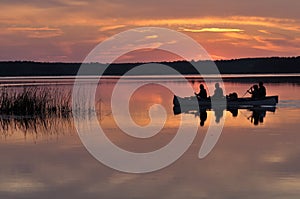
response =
{"points": [[217, 85], [255, 87], [201, 86], [261, 84]]}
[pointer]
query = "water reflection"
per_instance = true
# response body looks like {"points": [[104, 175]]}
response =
{"points": [[140, 104], [247, 161], [256, 117], [35, 125], [203, 116]]}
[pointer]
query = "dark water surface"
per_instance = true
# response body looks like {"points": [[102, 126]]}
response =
{"points": [[46, 159]]}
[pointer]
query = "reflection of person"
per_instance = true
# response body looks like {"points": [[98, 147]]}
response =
{"points": [[218, 92], [234, 112], [203, 116], [254, 91], [255, 117], [261, 90], [218, 114], [258, 116], [202, 93]]}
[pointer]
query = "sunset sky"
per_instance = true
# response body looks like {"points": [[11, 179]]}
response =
{"points": [[64, 30]]}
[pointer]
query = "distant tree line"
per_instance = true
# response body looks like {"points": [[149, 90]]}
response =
{"points": [[271, 65]]}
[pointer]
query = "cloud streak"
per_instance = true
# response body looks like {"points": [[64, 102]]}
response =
{"points": [[37, 32], [222, 30]]}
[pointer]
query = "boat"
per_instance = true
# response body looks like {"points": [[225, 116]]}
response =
{"points": [[234, 110], [225, 102]]}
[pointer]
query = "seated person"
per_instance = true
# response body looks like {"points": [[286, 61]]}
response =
{"points": [[218, 92], [254, 92], [202, 94], [261, 90]]}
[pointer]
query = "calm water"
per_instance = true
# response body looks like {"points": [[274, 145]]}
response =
{"points": [[46, 159]]}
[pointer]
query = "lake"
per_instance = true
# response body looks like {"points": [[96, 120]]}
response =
{"points": [[252, 158]]}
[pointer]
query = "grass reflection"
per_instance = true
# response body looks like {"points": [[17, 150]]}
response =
{"points": [[34, 110]]}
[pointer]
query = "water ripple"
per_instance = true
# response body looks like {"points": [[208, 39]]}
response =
{"points": [[289, 104]]}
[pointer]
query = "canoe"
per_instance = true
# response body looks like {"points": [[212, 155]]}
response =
{"points": [[234, 103], [234, 110]]}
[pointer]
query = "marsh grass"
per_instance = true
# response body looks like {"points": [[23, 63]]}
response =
{"points": [[39, 109], [35, 101], [34, 109]]}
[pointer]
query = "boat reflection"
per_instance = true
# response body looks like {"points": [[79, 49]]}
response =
{"points": [[257, 113]]}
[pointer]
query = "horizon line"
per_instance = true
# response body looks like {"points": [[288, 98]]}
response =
{"points": [[217, 60]]}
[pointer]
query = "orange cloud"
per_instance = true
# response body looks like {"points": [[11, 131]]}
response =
{"points": [[264, 31], [285, 24], [213, 30], [38, 32], [114, 27], [239, 36]]}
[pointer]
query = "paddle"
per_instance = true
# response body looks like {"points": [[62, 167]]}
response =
{"points": [[247, 92]]}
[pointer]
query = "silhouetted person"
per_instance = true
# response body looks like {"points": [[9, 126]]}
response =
{"points": [[202, 93], [203, 116], [218, 94], [261, 90], [254, 92]]}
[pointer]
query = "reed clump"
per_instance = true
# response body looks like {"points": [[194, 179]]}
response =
{"points": [[34, 101]]}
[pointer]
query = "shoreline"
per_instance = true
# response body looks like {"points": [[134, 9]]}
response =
{"points": [[69, 80], [272, 65]]}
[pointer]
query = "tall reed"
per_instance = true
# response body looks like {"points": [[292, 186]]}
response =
{"points": [[34, 101]]}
